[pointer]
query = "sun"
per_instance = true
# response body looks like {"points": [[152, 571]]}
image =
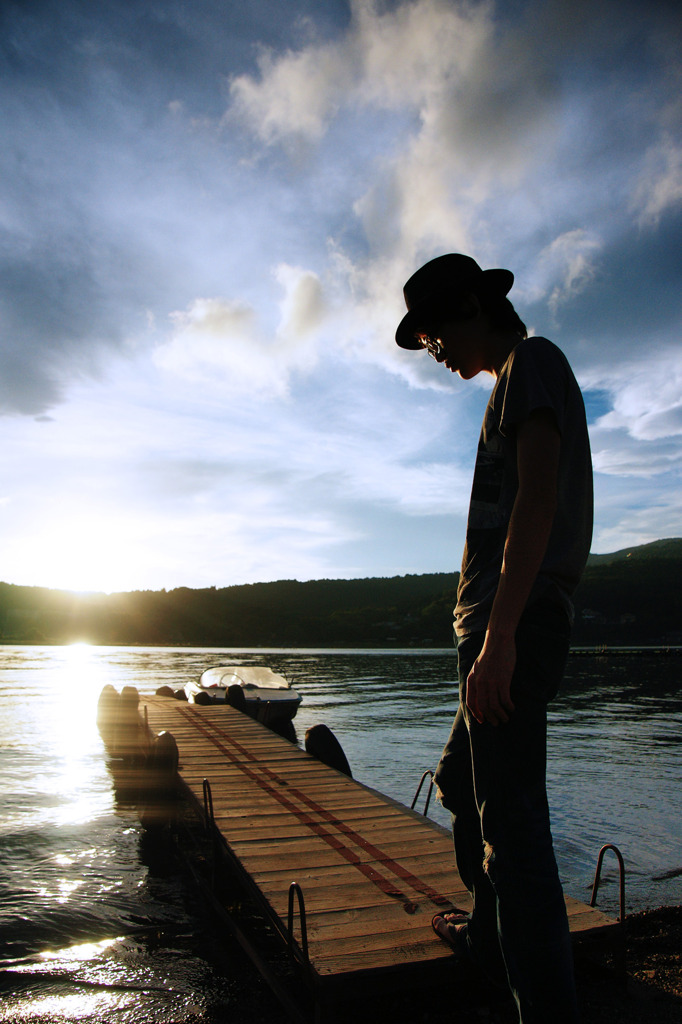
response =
{"points": [[94, 553]]}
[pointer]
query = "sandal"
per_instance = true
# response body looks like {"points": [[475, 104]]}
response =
{"points": [[451, 927]]}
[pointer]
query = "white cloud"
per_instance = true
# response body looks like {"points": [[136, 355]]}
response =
{"points": [[224, 342], [428, 489], [213, 318], [627, 523], [304, 306], [659, 187], [215, 340], [476, 106], [565, 268], [430, 60], [647, 399], [408, 53], [296, 95], [390, 59], [619, 456], [639, 436]]}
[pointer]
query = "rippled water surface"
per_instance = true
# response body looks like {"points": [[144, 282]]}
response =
{"points": [[94, 929]]}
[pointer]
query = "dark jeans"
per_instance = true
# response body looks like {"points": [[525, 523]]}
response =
{"points": [[492, 779]]}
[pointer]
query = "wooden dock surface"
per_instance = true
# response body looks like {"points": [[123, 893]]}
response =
{"points": [[372, 872]]}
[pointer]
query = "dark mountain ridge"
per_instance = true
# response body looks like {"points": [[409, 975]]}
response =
{"points": [[670, 548], [628, 597]]}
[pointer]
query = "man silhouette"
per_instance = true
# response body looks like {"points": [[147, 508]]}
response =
{"points": [[528, 538]]}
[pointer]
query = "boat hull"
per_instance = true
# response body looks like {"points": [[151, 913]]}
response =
{"points": [[258, 692]]}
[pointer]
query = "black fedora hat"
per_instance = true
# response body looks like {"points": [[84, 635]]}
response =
{"points": [[441, 280]]}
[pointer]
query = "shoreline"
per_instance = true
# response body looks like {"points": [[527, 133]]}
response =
{"points": [[579, 650], [649, 993]]}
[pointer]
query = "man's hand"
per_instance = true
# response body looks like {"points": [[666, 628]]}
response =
{"points": [[488, 694]]}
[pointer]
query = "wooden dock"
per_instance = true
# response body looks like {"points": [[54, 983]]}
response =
{"points": [[371, 872]]}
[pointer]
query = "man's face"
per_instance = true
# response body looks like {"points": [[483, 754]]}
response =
{"points": [[457, 344], [458, 336]]}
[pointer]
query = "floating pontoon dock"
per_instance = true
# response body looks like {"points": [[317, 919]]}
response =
{"points": [[369, 873]]}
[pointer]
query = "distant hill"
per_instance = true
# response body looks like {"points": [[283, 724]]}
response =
{"points": [[668, 549], [628, 597], [632, 596]]}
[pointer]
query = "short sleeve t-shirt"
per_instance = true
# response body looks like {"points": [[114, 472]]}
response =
{"points": [[535, 376]]}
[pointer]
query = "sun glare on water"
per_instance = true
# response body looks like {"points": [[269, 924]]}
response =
{"points": [[76, 742], [92, 1004]]}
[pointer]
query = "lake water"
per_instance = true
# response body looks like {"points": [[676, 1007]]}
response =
{"points": [[92, 929]]}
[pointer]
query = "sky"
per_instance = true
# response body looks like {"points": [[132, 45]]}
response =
{"points": [[208, 209]]}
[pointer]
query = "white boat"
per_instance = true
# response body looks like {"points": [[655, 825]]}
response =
{"points": [[255, 689]]}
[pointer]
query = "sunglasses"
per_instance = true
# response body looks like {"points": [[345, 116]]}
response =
{"points": [[432, 345]]}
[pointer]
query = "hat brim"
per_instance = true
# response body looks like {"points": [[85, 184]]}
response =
{"points": [[493, 281]]}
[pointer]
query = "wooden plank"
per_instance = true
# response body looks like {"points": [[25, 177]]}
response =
{"points": [[243, 827], [583, 919], [304, 850], [337, 884]]}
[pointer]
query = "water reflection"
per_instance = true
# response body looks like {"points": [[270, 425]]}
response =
{"points": [[95, 981]]}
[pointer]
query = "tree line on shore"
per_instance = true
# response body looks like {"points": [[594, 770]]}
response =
{"points": [[629, 597]]}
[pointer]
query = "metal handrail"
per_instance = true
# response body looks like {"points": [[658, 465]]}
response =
{"points": [[147, 741], [295, 888], [428, 794], [621, 871], [208, 806]]}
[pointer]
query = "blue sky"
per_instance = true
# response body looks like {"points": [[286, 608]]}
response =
{"points": [[207, 213]]}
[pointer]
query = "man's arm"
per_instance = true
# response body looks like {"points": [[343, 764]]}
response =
{"points": [[489, 682]]}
